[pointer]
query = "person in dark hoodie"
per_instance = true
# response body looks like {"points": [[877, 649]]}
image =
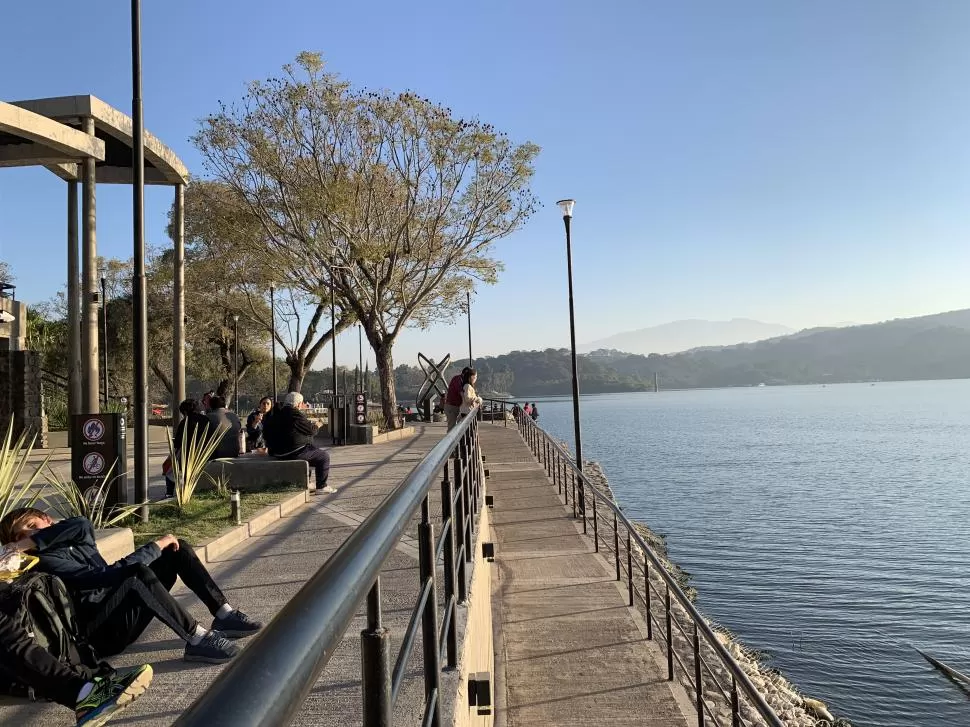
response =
{"points": [[115, 603], [193, 424], [289, 435], [219, 417]]}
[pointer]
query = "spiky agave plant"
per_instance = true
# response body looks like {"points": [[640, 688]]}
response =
{"points": [[66, 498], [15, 484], [189, 461]]}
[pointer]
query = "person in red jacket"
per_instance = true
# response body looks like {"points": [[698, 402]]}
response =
{"points": [[453, 397]]}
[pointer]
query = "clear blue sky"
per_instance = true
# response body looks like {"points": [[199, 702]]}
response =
{"points": [[796, 162]]}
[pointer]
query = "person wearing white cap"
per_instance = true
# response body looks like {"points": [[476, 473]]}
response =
{"points": [[289, 435]]}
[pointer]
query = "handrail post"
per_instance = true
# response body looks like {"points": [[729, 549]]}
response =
{"points": [[375, 664], [582, 502], [629, 563], [670, 636], [451, 601], [698, 684], [429, 619], [616, 545], [735, 707], [596, 530], [646, 596], [461, 515], [574, 495]]}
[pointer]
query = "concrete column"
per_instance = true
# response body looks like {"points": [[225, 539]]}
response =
{"points": [[73, 306], [178, 305], [91, 370]]}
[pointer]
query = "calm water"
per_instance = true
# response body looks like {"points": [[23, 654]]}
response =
{"points": [[828, 526]]}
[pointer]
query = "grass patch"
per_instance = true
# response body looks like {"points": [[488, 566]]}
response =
{"points": [[205, 516]]}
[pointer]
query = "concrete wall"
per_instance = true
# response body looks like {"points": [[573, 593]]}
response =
{"points": [[21, 396], [477, 651], [13, 335]]}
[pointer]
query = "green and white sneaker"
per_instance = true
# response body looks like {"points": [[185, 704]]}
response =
{"points": [[110, 695]]}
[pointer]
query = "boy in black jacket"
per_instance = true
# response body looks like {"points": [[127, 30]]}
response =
{"points": [[115, 603]]}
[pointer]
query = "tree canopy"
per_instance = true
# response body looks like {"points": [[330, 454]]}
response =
{"points": [[390, 197]]}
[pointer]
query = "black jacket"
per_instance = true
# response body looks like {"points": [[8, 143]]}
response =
{"points": [[229, 444], [197, 424], [67, 550], [287, 430]]}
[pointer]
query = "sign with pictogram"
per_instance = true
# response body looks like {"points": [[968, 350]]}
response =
{"points": [[99, 461], [360, 408]]}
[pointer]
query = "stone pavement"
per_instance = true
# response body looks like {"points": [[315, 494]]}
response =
{"points": [[568, 649], [263, 574]]}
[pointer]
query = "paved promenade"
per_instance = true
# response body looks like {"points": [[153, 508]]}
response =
{"points": [[571, 650]]}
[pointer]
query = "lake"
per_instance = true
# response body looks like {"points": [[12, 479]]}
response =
{"points": [[826, 525]]}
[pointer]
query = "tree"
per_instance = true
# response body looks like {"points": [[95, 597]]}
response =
{"points": [[220, 227], [6, 276], [403, 196]]}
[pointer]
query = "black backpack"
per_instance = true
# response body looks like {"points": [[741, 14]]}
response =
{"points": [[41, 605]]}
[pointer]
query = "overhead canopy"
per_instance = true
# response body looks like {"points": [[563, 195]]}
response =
{"points": [[28, 139], [114, 129]]}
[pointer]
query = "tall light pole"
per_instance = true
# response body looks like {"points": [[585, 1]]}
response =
{"points": [[235, 362], [272, 316], [333, 340], [566, 205], [104, 322], [360, 355], [140, 308], [468, 310]]}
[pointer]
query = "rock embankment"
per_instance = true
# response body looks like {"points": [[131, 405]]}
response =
{"points": [[793, 708]]}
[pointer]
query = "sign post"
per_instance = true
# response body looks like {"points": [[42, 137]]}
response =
{"points": [[360, 408], [99, 456]]}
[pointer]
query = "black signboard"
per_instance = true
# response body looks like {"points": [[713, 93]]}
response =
{"points": [[360, 408], [98, 453]]}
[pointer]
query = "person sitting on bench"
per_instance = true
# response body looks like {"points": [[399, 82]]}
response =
{"points": [[94, 697], [117, 602], [289, 435]]}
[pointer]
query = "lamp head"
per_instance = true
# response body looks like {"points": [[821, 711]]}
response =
{"points": [[235, 318], [566, 205]]}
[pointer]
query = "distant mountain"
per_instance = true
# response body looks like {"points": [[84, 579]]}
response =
{"points": [[688, 334], [929, 347]]}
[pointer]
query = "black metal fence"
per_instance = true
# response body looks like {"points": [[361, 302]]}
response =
{"points": [[267, 684], [723, 693]]}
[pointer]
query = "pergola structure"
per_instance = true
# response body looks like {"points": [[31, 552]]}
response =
{"points": [[83, 140]]}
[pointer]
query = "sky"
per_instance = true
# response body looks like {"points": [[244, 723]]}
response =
{"points": [[802, 163]]}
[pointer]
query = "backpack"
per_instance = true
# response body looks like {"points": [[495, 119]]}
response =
{"points": [[40, 604]]}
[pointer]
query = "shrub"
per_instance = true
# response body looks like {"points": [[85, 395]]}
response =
{"points": [[13, 462], [189, 460]]}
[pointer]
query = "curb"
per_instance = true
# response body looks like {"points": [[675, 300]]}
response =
{"points": [[212, 549]]}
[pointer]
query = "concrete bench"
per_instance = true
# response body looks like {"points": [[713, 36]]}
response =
{"points": [[114, 543], [253, 473]]}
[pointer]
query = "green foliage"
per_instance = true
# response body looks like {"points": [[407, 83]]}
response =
{"points": [[189, 460], [55, 404], [14, 455], [67, 499]]}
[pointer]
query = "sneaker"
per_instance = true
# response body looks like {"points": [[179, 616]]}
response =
{"points": [[112, 694], [236, 625], [213, 649], [327, 489]]}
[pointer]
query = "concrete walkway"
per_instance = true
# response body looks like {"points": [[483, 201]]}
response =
{"points": [[569, 650], [262, 575]]}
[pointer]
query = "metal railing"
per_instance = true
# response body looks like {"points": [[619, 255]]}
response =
{"points": [[266, 685], [685, 636]]}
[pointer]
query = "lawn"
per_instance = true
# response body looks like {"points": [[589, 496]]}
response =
{"points": [[206, 516]]}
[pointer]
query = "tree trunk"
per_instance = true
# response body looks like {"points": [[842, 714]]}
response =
{"points": [[385, 370], [297, 373]]}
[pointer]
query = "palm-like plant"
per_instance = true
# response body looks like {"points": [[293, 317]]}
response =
{"points": [[15, 486], [70, 500], [189, 460]]}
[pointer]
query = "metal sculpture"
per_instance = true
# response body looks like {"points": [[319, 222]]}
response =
{"points": [[434, 374]]}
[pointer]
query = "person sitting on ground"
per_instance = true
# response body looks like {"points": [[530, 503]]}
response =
{"points": [[194, 424], [254, 424], [116, 602], [220, 417], [469, 399], [289, 435], [453, 398], [95, 696]]}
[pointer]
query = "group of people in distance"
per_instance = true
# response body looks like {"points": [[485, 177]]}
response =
{"points": [[530, 410], [280, 431]]}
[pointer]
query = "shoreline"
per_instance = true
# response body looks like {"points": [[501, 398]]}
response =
{"points": [[793, 707]]}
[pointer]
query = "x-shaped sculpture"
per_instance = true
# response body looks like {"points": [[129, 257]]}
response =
{"points": [[433, 374]]}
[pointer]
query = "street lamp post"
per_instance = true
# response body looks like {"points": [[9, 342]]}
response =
{"points": [[360, 355], [333, 340], [272, 316], [468, 310], [104, 323], [235, 362], [566, 205]]}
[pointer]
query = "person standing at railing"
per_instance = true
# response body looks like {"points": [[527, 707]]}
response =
{"points": [[453, 398], [469, 398], [528, 409], [535, 412]]}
